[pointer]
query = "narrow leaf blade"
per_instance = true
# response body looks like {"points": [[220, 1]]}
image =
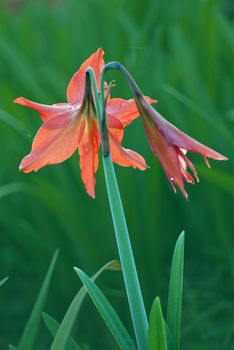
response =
{"points": [[3, 281], [170, 338], [107, 312], [32, 326], [174, 306], [68, 321], [53, 327], [157, 339]]}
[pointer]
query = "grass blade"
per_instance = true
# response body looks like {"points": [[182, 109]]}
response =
{"points": [[31, 329], [170, 338], [53, 327], [14, 123], [107, 312], [197, 109], [68, 321], [219, 178], [174, 306], [3, 281], [13, 187], [157, 339]]}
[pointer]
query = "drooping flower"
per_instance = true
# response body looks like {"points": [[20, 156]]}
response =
{"points": [[168, 143], [72, 126], [171, 145]]}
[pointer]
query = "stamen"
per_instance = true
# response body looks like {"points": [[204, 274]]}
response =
{"points": [[188, 162], [206, 161]]}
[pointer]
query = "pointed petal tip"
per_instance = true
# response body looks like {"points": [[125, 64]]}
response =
{"points": [[146, 167], [206, 161], [214, 155], [18, 100], [91, 194], [23, 101], [21, 168], [100, 52], [185, 194], [223, 158], [100, 49], [150, 100], [180, 185]]}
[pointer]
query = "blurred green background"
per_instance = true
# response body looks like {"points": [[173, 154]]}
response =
{"points": [[180, 52]]}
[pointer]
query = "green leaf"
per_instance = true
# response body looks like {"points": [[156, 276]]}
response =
{"points": [[32, 326], [157, 338], [13, 187], [219, 178], [3, 281], [170, 339], [12, 347], [107, 312], [53, 327], [68, 321], [174, 306], [13, 122]]}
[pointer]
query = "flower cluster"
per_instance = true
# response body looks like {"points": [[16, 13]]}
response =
{"points": [[73, 125]]}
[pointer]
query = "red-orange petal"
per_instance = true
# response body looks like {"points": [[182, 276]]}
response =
{"points": [[45, 111], [54, 142], [167, 155], [125, 110], [184, 161], [113, 122], [88, 151], [178, 138], [75, 89], [123, 156]]}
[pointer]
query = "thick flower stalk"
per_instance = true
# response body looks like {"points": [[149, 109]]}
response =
{"points": [[169, 144], [72, 126], [132, 285]]}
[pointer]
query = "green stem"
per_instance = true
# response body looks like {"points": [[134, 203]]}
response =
{"points": [[131, 281]]}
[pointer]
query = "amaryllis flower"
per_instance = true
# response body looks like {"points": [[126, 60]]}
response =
{"points": [[72, 126], [169, 144]]}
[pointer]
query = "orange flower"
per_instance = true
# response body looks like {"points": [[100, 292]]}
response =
{"points": [[170, 145], [73, 125]]}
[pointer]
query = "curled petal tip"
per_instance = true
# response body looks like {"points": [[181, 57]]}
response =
{"points": [[18, 100], [23, 101], [150, 100]]}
